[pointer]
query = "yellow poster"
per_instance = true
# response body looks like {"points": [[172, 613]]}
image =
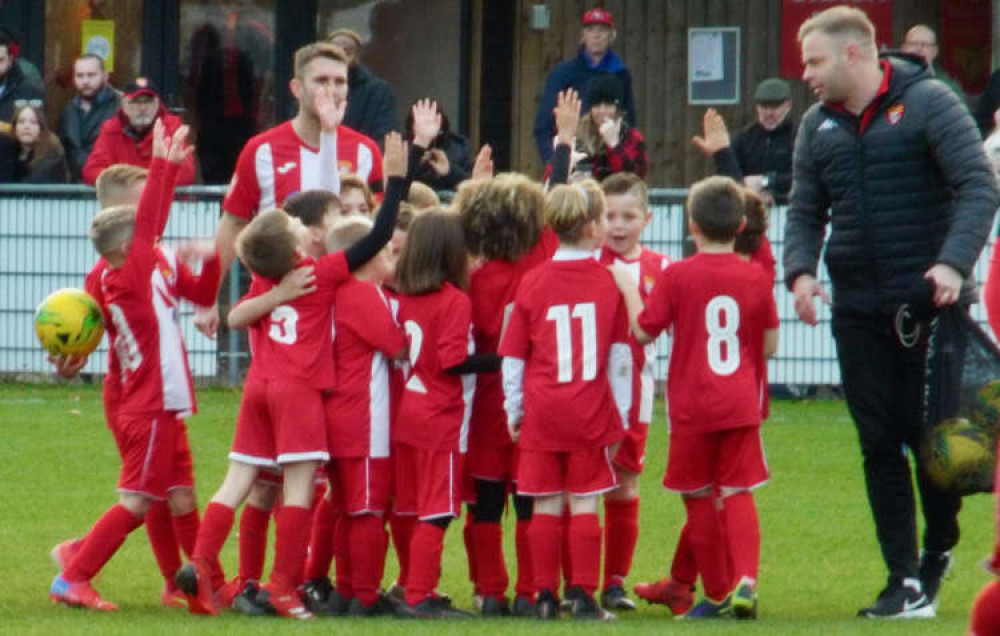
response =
{"points": [[98, 37]]}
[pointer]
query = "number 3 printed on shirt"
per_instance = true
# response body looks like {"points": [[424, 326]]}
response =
{"points": [[722, 319], [587, 314], [283, 322]]}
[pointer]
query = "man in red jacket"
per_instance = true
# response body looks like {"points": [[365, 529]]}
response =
{"points": [[127, 138]]}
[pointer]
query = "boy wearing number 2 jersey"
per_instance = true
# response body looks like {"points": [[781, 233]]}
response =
{"points": [[723, 315]]}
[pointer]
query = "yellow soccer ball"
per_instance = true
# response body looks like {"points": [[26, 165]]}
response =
{"points": [[960, 456], [69, 322]]}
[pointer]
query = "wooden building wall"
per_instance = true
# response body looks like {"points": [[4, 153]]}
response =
{"points": [[652, 39]]}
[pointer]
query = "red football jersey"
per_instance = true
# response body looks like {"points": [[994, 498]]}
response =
{"points": [[491, 290], [719, 307], [567, 315], [434, 412], [764, 258], [366, 338], [277, 163], [296, 339], [645, 270]]}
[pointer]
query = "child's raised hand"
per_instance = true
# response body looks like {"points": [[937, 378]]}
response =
{"points": [[567, 114], [331, 113], [716, 135], [483, 168], [179, 149], [395, 158], [426, 122], [161, 143], [298, 282], [196, 250], [67, 366]]}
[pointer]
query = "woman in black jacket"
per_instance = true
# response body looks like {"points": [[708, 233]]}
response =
{"points": [[39, 157], [448, 160]]}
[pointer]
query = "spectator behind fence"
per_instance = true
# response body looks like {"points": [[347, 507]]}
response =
{"points": [[594, 57], [13, 84], [922, 40], [95, 102], [38, 155], [608, 143], [371, 104], [127, 138], [760, 155], [448, 160]]}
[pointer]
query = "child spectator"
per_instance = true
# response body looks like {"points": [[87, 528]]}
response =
{"points": [[39, 154], [563, 385], [628, 216], [281, 420], [431, 428], [155, 389], [723, 316]]}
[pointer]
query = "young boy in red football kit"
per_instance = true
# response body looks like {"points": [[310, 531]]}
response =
{"points": [[138, 292], [628, 215], [568, 388], [281, 417], [723, 316]]}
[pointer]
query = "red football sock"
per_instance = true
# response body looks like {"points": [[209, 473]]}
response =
{"points": [[985, 618], [186, 530], [684, 569], [425, 562], [470, 549], [101, 543], [621, 532], [292, 528], [367, 543], [402, 534], [342, 554], [545, 535], [585, 551], [739, 515], [566, 557], [321, 542], [487, 546], [160, 530], [254, 522], [214, 530], [525, 585], [708, 544]]}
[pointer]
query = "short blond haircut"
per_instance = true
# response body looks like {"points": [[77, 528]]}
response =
{"points": [[347, 231], [568, 208], [115, 181], [111, 228], [422, 196], [310, 52], [267, 245], [627, 183], [842, 22]]}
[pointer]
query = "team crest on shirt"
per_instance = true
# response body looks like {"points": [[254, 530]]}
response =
{"points": [[895, 113], [345, 166], [648, 281], [166, 272]]}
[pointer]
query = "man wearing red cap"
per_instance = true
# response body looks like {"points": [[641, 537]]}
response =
{"points": [[127, 138], [593, 58]]}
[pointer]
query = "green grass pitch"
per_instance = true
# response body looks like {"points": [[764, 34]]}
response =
{"points": [[819, 561]]}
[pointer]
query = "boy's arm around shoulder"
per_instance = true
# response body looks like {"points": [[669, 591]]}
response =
{"points": [[256, 305]]}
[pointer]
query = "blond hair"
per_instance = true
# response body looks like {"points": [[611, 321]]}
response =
{"points": [[422, 196], [354, 182], [310, 52], [568, 208], [111, 228], [627, 183], [502, 217], [347, 231], [842, 22], [267, 245], [115, 181]]}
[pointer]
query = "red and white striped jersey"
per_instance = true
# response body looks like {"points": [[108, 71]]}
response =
{"points": [[366, 338], [277, 163], [645, 270]]}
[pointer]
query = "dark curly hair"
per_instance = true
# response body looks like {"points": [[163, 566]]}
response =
{"points": [[502, 217]]}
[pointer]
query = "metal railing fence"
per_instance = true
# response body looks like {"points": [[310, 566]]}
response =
{"points": [[44, 246]]}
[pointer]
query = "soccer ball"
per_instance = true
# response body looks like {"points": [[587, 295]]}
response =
{"points": [[985, 410], [960, 456], [69, 322]]}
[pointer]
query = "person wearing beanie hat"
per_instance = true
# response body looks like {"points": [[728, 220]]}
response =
{"points": [[593, 58], [608, 143], [371, 105], [759, 155]]}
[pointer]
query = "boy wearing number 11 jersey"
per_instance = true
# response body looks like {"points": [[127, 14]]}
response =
{"points": [[723, 315]]}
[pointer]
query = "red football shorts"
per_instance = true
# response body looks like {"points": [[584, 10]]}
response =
{"points": [[492, 463], [361, 483], [428, 482], [580, 472], [148, 446], [631, 455], [182, 470], [280, 423], [731, 458]]}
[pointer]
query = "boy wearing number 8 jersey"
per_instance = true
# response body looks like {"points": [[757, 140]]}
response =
{"points": [[723, 314]]}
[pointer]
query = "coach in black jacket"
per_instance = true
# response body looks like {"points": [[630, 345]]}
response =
{"points": [[892, 160]]}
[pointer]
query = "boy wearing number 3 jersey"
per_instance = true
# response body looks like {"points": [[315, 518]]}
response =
{"points": [[723, 314]]}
